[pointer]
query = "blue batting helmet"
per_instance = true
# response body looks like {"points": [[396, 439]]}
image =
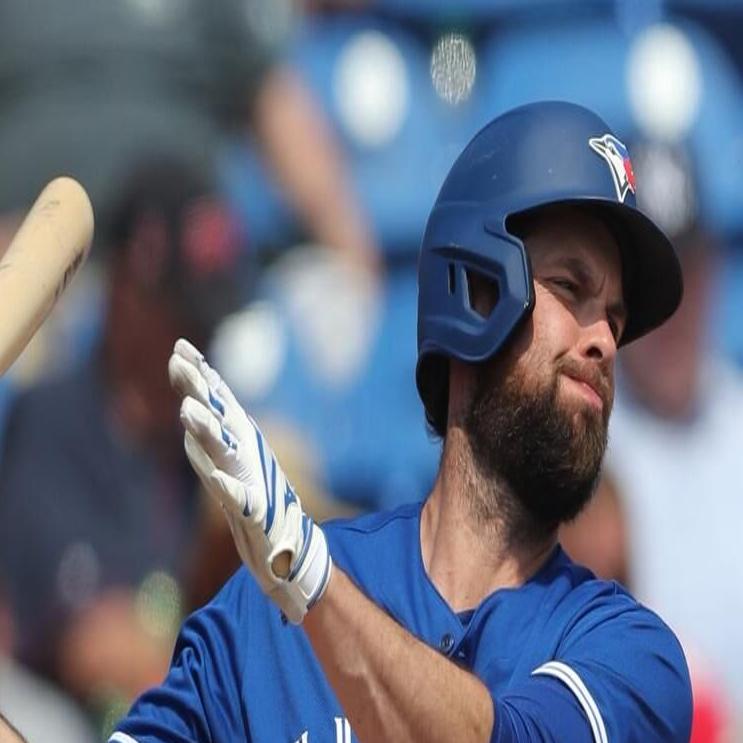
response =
{"points": [[533, 156]]}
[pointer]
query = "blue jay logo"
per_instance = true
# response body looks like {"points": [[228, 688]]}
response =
{"points": [[617, 156]]}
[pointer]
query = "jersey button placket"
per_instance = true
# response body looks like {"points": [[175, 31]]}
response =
{"points": [[446, 644]]}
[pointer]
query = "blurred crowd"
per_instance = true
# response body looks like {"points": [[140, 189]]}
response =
{"points": [[261, 172]]}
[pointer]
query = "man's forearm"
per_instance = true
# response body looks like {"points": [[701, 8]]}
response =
{"points": [[299, 145], [391, 685]]}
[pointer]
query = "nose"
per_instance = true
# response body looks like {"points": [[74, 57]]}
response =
{"points": [[597, 342]]}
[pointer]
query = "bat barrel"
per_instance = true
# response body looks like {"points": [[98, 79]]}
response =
{"points": [[47, 250]]}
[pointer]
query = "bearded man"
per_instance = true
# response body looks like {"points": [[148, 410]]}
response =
{"points": [[459, 618]]}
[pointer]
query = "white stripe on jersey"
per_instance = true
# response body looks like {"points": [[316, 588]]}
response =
{"points": [[118, 737], [342, 730], [574, 682]]}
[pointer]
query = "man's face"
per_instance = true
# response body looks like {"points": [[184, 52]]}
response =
{"points": [[540, 410]]}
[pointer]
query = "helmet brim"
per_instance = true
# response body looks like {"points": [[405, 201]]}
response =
{"points": [[652, 278], [651, 272]]}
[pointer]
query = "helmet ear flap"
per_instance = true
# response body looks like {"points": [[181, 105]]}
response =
{"points": [[470, 300], [482, 295]]}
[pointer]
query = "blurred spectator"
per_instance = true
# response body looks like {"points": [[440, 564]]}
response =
{"points": [[8, 733], [98, 508], [86, 85], [337, 370], [599, 539], [675, 443], [37, 708]]}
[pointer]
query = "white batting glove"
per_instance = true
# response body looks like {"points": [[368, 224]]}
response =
{"points": [[280, 545]]}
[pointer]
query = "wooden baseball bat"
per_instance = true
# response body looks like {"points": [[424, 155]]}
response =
{"points": [[45, 253]]}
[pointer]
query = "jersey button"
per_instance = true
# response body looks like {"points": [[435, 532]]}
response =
{"points": [[446, 643]]}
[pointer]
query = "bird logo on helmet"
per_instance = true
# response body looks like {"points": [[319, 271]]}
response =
{"points": [[617, 156], [530, 157]]}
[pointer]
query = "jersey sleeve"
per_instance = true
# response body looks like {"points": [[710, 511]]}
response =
{"points": [[200, 697], [627, 676], [541, 709]]}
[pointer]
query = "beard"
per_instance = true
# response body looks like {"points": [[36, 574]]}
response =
{"points": [[544, 456]]}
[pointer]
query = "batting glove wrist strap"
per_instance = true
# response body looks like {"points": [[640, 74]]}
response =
{"points": [[282, 547]]}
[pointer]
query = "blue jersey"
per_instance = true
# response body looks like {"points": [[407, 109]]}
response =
{"points": [[566, 657]]}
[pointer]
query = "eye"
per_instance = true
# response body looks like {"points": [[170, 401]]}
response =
{"points": [[566, 284]]}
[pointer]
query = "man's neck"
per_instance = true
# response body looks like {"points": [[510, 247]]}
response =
{"points": [[474, 538]]}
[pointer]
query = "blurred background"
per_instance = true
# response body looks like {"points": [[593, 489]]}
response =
{"points": [[261, 172]]}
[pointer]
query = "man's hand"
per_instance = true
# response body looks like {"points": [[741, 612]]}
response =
{"points": [[281, 546]]}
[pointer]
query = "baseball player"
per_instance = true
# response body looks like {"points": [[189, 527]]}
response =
{"points": [[459, 618]]}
